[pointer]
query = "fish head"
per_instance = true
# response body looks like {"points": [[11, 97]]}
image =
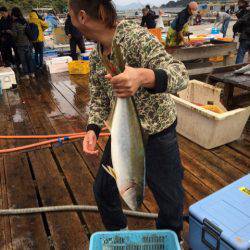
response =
{"points": [[133, 196]]}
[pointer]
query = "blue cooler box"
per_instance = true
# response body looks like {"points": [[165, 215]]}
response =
{"points": [[222, 220]]}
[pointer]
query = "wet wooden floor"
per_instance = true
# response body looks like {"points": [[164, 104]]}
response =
{"points": [[63, 175]]}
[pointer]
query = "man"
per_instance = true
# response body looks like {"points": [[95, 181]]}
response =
{"points": [[243, 28], [6, 39], [148, 18], [179, 27], [242, 6], [75, 37], [222, 18]]}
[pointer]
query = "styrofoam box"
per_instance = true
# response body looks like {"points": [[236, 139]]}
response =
{"points": [[58, 64], [7, 77], [204, 127]]}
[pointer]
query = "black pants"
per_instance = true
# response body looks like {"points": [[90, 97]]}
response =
{"points": [[25, 55], [39, 54], [76, 42], [164, 174], [6, 52]]}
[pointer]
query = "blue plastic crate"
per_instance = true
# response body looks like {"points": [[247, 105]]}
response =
{"points": [[139, 240]]}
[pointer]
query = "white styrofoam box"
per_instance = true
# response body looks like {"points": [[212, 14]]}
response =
{"points": [[58, 64], [7, 77], [204, 127]]}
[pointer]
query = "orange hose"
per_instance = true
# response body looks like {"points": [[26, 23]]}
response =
{"points": [[38, 136], [42, 136], [60, 140]]}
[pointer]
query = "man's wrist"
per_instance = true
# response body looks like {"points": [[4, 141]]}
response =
{"points": [[146, 78]]}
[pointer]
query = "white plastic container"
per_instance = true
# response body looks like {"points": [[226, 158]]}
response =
{"points": [[58, 64], [7, 77], [204, 127]]}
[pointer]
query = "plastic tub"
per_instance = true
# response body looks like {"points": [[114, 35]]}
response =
{"points": [[79, 67], [131, 240], [204, 127], [7, 77]]}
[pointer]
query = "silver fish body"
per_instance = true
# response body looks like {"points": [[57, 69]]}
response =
{"points": [[128, 154]]}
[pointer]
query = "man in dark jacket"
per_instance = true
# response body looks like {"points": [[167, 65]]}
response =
{"points": [[242, 6], [148, 18], [242, 27], [75, 37], [6, 40]]}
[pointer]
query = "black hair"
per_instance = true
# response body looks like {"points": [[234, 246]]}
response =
{"points": [[148, 6], [16, 12], [3, 9], [103, 10]]}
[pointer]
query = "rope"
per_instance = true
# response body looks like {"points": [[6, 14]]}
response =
{"points": [[24, 211]]}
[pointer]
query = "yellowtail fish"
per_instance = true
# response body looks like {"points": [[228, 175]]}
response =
{"points": [[127, 145]]}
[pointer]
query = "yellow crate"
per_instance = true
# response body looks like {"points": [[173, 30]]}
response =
{"points": [[79, 67]]}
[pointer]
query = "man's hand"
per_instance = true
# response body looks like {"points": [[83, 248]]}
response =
{"points": [[127, 83], [89, 143]]}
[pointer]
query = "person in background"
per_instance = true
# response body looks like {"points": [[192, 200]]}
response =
{"points": [[150, 10], [22, 42], [75, 38], [148, 19], [242, 8], [222, 18], [231, 10], [39, 43], [179, 27], [6, 40], [242, 27], [198, 18]]}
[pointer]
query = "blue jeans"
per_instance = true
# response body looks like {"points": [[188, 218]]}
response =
{"points": [[164, 174], [39, 54], [244, 47], [225, 26], [25, 54]]}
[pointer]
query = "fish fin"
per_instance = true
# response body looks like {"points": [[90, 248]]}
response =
{"points": [[110, 171]]}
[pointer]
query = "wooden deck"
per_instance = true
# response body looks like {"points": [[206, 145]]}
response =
{"points": [[63, 175]]}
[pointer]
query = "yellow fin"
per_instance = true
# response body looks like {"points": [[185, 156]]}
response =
{"points": [[110, 171]]}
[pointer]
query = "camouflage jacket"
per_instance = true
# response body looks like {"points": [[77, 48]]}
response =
{"points": [[140, 49]]}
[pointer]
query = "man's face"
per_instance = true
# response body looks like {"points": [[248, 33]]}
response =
{"points": [[145, 12], [79, 21], [4, 14]]}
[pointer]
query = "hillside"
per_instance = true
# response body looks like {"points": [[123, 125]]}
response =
{"points": [[26, 5]]}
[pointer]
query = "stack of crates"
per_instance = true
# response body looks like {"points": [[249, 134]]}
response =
{"points": [[131, 240]]}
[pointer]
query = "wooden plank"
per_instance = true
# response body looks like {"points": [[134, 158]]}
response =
{"points": [[231, 156], [5, 233], [20, 118], [195, 187], [66, 228], [28, 232], [204, 174], [80, 182], [186, 54], [242, 146], [223, 169]]}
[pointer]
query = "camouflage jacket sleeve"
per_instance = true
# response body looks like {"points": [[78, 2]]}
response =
{"points": [[153, 55], [99, 100]]}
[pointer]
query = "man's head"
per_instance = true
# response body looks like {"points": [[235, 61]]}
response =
{"points": [[87, 15], [242, 4], [148, 7], [145, 11], [193, 8], [4, 12]]}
